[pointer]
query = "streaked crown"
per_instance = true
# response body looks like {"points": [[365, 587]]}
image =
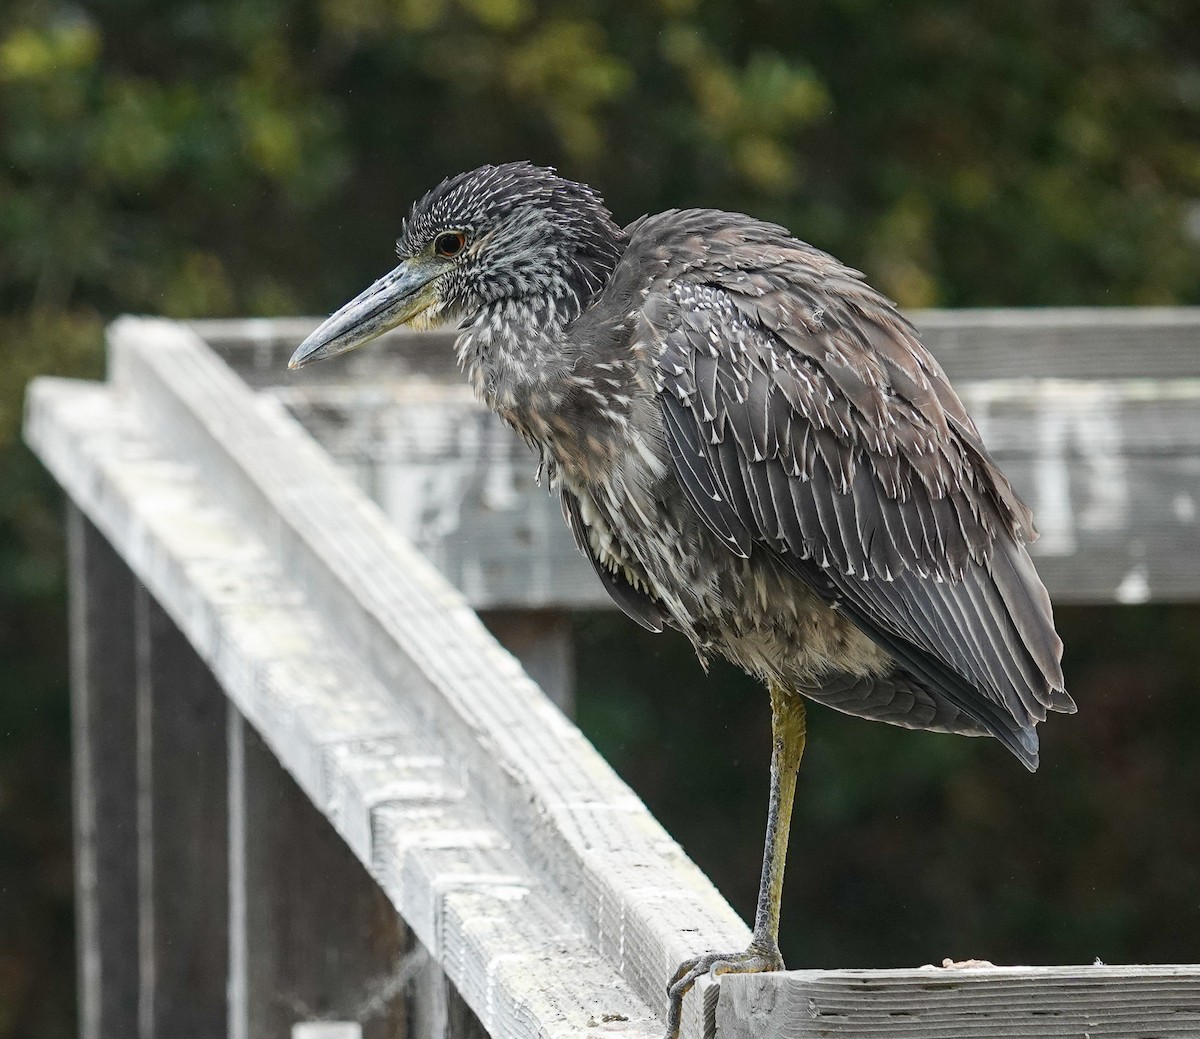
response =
{"points": [[529, 233]]}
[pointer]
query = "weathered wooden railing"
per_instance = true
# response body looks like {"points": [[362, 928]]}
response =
{"points": [[271, 682]]}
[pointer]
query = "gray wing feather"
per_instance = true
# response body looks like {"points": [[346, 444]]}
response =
{"points": [[899, 699], [803, 415]]}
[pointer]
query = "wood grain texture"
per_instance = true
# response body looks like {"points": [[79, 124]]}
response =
{"points": [[1110, 467], [372, 766], [104, 726], [642, 903], [1064, 342], [1101, 1002]]}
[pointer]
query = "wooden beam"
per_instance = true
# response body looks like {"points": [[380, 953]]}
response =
{"points": [[327, 1030], [1109, 467], [1094, 414], [1064, 342], [1112, 472], [640, 901], [1100, 1002]]}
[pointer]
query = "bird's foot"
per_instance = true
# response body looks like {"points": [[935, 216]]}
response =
{"points": [[754, 960]]}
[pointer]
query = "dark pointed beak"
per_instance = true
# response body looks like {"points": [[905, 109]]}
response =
{"points": [[394, 299]]}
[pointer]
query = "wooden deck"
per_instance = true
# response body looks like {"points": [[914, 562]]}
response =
{"points": [[313, 790]]}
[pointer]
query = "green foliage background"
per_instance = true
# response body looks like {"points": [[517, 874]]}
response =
{"points": [[197, 158]]}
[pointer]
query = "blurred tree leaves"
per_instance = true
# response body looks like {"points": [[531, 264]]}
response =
{"points": [[220, 157], [208, 158]]}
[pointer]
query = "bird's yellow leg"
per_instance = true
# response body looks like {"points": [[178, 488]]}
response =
{"points": [[788, 731]]}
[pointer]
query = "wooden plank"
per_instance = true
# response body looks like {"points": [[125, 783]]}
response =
{"points": [[1099, 1002], [322, 940], [1112, 472], [103, 718], [1109, 467], [183, 826], [378, 769], [1064, 342], [238, 1022], [327, 1030]]}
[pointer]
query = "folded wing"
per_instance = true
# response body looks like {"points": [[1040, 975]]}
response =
{"points": [[805, 418]]}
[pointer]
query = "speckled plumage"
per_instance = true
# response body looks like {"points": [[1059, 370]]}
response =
{"points": [[752, 446]]}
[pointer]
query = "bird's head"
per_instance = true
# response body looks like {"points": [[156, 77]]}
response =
{"points": [[514, 232]]}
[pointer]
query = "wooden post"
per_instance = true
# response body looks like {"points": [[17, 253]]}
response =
{"points": [[103, 706], [182, 833], [320, 940]]}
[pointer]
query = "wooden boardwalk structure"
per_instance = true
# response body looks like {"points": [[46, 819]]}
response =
{"points": [[316, 797]]}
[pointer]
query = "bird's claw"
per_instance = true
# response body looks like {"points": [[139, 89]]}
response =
{"points": [[754, 960]]}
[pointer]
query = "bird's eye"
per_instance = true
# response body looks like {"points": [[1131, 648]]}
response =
{"points": [[449, 243]]}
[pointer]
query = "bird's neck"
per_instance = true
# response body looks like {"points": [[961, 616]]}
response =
{"points": [[514, 352], [518, 349], [523, 365]]}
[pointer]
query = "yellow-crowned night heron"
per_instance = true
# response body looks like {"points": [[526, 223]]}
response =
{"points": [[750, 445]]}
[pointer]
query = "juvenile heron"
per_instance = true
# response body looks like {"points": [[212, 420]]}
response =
{"points": [[751, 445]]}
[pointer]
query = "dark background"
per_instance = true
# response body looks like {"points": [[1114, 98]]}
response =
{"points": [[256, 156]]}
